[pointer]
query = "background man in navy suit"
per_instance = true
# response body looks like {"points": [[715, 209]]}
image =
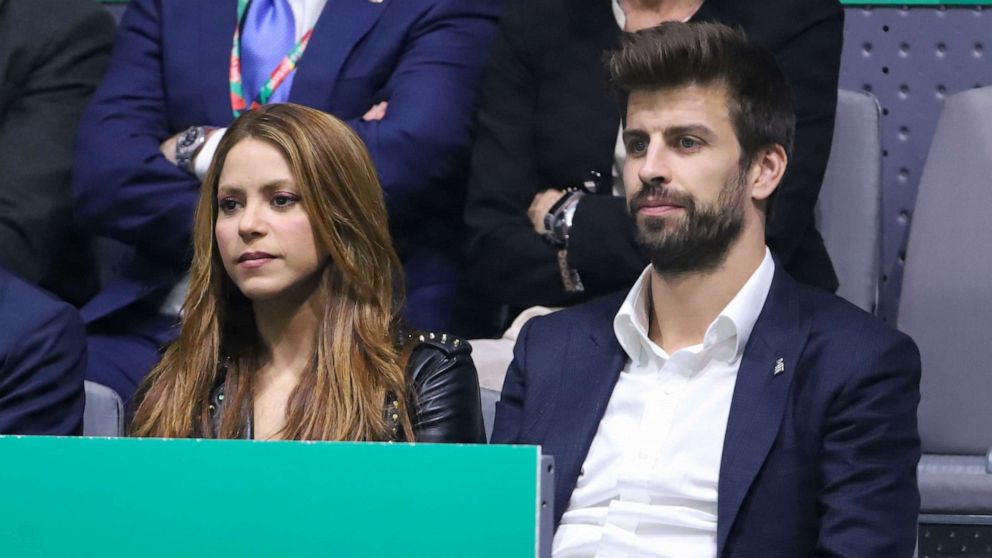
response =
{"points": [[42, 361], [403, 73], [719, 408]]}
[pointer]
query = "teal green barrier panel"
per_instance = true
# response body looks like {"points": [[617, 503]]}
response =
{"points": [[102, 497]]}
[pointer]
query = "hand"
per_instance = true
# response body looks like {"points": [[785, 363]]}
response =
{"points": [[168, 148], [377, 112], [543, 202]]}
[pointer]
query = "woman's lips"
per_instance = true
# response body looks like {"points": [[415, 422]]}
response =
{"points": [[253, 260]]}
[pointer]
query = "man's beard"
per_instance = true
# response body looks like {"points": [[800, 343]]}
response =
{"points": [[699, 239]]}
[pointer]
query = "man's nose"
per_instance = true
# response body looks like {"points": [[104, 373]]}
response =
{"points": [[655, 168]]}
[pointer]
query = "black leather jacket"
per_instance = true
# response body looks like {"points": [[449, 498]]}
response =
{"points": [[445, 392]]}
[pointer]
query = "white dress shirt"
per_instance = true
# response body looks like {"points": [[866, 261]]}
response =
{"points": [[648, 486]]}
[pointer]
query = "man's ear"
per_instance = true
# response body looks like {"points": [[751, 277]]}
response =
{"points": [[766, 171]]}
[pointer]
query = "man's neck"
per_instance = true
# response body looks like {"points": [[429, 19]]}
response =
{"points": [[642, 14], [683, 306]]}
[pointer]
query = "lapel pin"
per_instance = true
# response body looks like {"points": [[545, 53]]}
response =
{"points": [[376, 1], [779, 367]]}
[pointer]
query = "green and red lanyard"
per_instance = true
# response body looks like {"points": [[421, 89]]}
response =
{"points": [[288, 63]]}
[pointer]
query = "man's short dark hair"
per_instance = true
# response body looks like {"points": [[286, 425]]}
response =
{"points": [[676, 54]]}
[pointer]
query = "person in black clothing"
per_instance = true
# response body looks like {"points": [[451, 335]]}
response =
{"points": [[52, 55], [549, 117]]}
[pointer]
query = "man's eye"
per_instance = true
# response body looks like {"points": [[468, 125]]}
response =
{"points": [[688, 143], [637, 146], [284, 200], [228, 205]]}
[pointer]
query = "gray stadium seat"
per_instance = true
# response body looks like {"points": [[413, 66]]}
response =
{"points": [[489, 398], [946, 307], [848, 209], [104, 414]]}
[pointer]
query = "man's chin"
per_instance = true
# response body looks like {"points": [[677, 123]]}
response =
{"points": [[650, 225]]}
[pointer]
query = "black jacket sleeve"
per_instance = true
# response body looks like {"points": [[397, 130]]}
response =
{"points": [[445, 391]]}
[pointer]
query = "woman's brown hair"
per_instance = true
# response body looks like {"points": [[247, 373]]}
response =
{"points": [[356, 368]]}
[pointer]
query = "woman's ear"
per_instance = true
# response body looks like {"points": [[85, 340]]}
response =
{"points": [[766, 171]]}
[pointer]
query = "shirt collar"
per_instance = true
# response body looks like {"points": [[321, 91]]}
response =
{"points": [[622, 17], [735, 321]]}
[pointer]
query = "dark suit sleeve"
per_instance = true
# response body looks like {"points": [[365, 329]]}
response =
{"points": [[602, 246], [41, 379], [868, 493], [810, 60], [446, 400], [510, 407], [506, 254], [423, 142], [62, 65], [124, 187]]}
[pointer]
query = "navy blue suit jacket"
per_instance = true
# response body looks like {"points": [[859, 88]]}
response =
{"points": [[169, 71], [42, 361], [818, 460]]}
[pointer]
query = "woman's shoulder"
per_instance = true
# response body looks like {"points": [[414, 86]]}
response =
{"points": [[434, 352], [445, 388]]}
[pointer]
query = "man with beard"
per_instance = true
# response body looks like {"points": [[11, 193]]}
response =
{"points": [[719, 408]]}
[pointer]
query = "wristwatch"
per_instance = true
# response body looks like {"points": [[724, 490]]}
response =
{"points": [[557, 228], [188, 145], [558, 219]]}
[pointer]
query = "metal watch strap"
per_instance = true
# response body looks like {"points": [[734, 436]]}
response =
{"points": [[187, 146], [569, 277]]}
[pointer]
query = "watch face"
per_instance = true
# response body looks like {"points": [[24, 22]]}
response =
{"points": [[188, 138]]}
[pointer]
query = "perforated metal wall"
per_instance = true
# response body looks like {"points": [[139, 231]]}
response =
{"points": [[911, 59]]}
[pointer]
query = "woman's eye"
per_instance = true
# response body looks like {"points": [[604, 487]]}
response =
{"points": [[284, 200], [228, 205]]}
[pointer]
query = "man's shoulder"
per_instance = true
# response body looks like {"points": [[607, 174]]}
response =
{"points": [[73, 16], [835, 321], [591, 315]]}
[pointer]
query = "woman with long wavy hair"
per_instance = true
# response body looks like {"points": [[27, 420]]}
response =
{"points": [[290, 327]]}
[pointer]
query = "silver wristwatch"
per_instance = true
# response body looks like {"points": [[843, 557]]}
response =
{"points": [[188, 145], [558, 220], [557, 229]]}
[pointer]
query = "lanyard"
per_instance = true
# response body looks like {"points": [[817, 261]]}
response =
{"points": [[288, 63]]}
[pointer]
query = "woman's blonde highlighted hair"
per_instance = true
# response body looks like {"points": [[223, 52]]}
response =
{"points": [[356, 367]]}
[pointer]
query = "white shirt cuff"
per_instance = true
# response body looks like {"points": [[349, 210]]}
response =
{"points": [[203, 159]]}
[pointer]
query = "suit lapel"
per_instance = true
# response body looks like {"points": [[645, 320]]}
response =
{"points": [[218, 18], [340, 27], [592, 364], [766, 371]]}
